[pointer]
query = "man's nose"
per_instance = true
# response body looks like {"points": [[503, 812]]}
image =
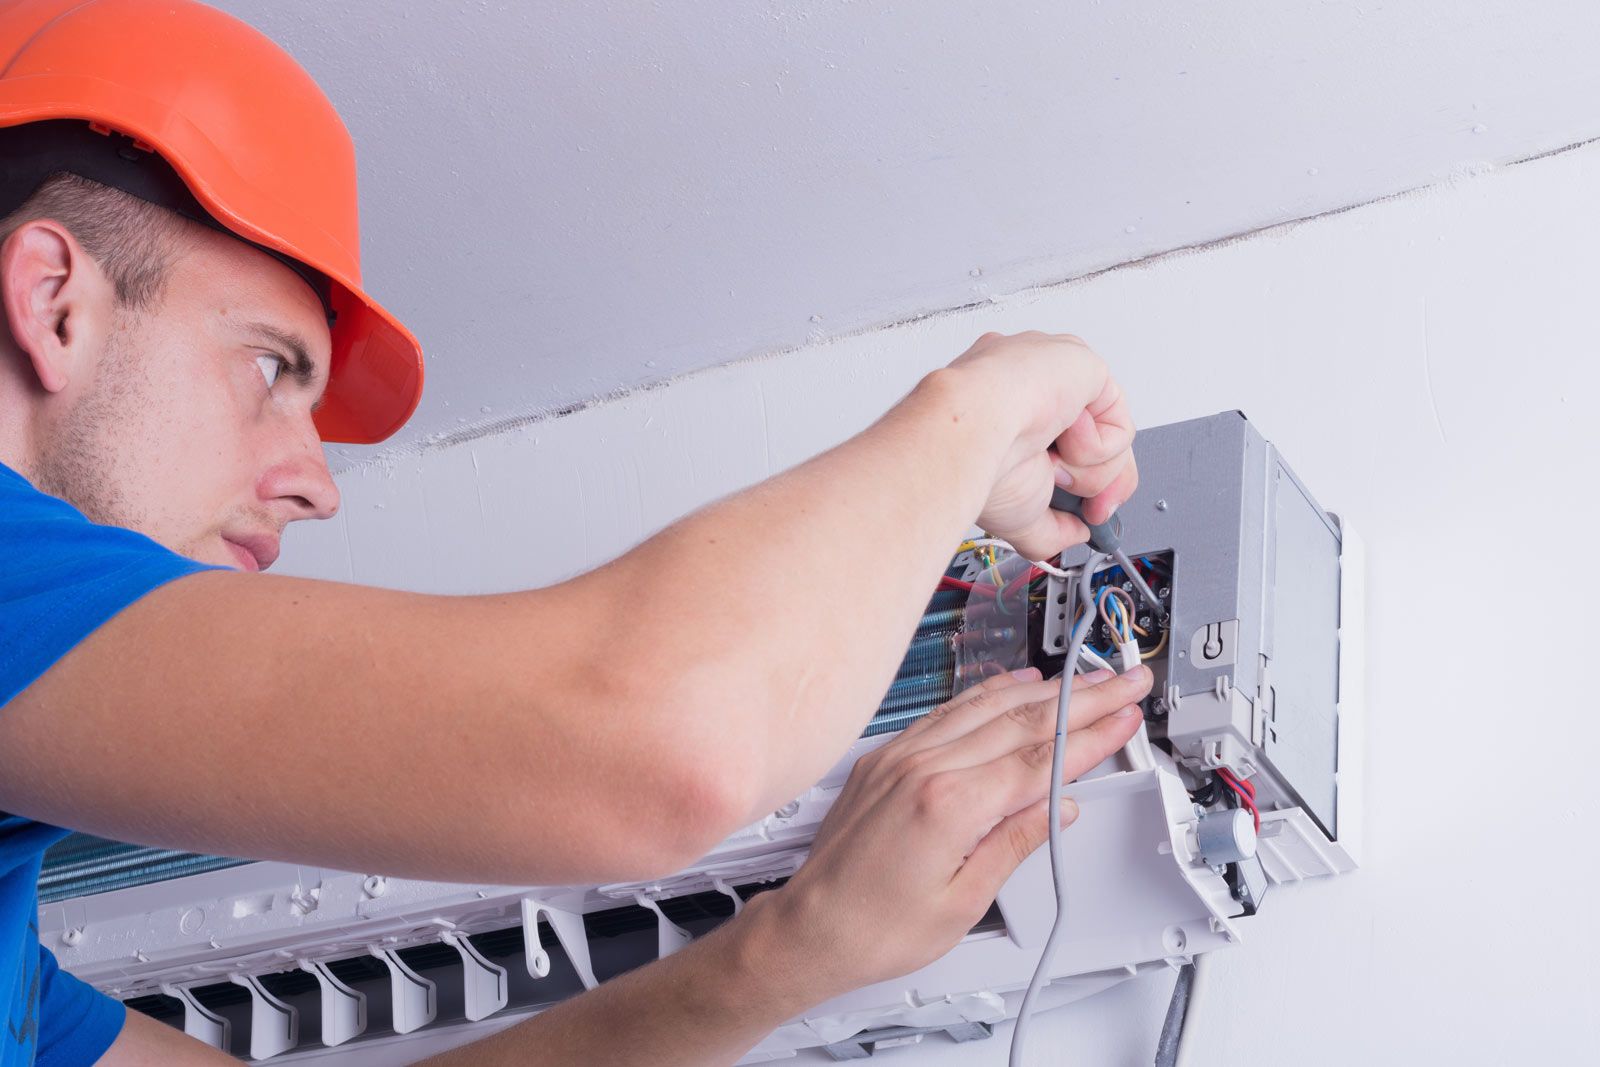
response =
{"points": [[301, 479]]}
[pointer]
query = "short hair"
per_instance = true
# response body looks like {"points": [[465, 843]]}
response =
{"points": [[132, 240]]}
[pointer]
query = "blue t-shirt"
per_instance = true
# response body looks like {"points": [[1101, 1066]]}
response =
{"points": [[61, 576]]}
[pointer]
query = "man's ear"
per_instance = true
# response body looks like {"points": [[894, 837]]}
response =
{"points": [[56, 301]]}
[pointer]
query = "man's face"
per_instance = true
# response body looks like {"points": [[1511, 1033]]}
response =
{"points": [[196, 427]]}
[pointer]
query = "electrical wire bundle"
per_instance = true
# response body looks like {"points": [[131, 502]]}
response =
{"points": [[1116, 608], [1244, 791], [1058, 871], [1102, 602], [1010, 596], [1119, 610], [1113, 606]]}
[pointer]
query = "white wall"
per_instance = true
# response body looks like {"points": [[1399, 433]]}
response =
{"points": [[568, 199], [1428, 365]]}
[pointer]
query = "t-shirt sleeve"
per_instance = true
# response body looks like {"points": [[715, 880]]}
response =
{"points": [[62, 577], [77, 1022]]}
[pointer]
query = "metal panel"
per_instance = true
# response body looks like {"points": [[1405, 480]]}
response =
{"points": [[1301, 735], [1250, 676]]}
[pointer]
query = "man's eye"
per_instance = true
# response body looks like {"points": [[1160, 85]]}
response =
{"points": [[271, 367]]}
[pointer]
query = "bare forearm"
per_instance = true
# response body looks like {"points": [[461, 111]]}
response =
{"points": [[706, 1004], [779, 614], [612, 727]]}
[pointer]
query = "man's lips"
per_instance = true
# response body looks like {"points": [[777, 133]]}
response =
{"points": [[255, 552]]}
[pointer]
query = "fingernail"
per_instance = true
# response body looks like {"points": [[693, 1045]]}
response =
{"points": [[1069, 811], [1139, 673], [1026, 672], [1131, 709], [1095, 677], [1063, 477]]}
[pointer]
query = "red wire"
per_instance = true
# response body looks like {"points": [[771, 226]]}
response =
{"points": [[1023, 580], [986, 588], [1247, 799]]}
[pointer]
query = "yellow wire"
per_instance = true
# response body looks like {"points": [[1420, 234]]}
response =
{"points": [[1111, 624], [1078, 612], [1130, 610], [1127, 610]]}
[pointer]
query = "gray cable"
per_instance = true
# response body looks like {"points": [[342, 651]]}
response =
{"points": [[1057, 860], [1198, 984], [1175, 1046], [1172, 1026], [1139, 583]]}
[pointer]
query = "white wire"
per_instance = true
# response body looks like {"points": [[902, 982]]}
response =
{"points": [[1094, 660], [1058, 870], [995, 542]]}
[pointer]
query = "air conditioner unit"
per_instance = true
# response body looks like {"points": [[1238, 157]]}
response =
{"points": [[1258, 672]]}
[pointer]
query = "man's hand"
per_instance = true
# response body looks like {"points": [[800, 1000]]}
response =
{"points": [[733, 698], [1072, 429], [929, 826]]}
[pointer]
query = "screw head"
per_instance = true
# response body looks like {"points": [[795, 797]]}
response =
{"points": [[71, 938], [1161, 505], [376, 886]]}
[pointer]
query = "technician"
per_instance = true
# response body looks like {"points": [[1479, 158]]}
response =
{"points": [[184, 327]]}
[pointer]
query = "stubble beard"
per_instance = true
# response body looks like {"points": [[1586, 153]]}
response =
{"points": [[87, 462]]}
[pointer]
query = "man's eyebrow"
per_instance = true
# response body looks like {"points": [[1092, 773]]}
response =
{"points": [[293, 346]]}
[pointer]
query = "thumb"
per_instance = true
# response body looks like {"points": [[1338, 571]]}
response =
{"points": [[1013, 839], [1045, 535]]}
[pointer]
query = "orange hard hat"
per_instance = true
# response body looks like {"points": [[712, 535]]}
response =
{"points": [[254, 141]]}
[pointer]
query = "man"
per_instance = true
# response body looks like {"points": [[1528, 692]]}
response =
{"points": [[184, 321]]}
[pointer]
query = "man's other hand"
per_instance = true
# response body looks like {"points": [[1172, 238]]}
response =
{"points": [[928, 827], [1069, 424]]}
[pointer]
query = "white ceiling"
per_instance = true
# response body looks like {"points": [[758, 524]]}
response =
{"points": [[569, 199]]}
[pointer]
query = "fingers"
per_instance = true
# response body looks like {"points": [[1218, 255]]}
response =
{"points": [[993, 684], [1090, 481], [1095, 437], [1027, 775], [1092, 744], [990, 792], [1002, 850], [1046, 534], [950, 747], [1018, 510], [1098, 509], [958, 719], [978, 796], [1027, 717], [1096, 450]]}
